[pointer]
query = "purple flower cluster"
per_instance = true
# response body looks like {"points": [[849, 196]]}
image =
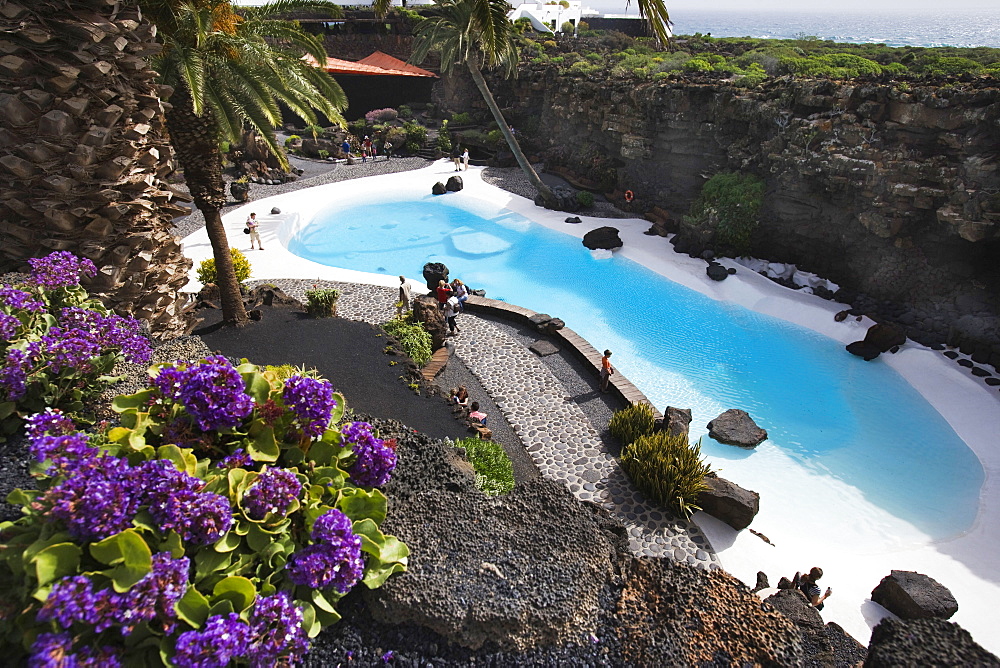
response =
{"points": [[176, 501], [74, 599], [19, 300], [239, 459], [109, 331], [374, 462], [96, 497], [211, 392], [8, 326], [312, 402], [272, 492], [221, 639], [335, 558], [276, 628], [60, 269], [14, 374], [273, 637], [54, 650]]}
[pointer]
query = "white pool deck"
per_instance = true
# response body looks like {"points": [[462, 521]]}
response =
{"points": [[968, 565]]}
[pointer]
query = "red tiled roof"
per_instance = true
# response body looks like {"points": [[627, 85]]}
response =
{"points": [[377, 64]]}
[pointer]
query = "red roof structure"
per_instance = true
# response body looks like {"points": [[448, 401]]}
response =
{"points": [[377, 64]]}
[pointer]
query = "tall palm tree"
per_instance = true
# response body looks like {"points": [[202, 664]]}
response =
{"points": [[83, 152], [477, 33], [230, 70]]}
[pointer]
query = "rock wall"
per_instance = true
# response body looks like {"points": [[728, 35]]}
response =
{"points": [[889, 189]]}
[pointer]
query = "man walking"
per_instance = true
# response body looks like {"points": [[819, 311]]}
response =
{"points": [[252, 225]]}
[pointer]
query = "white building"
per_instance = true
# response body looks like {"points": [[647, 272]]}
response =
{"points": [[549, 16]]}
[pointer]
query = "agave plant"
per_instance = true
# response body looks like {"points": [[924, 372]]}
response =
{"points": [[630, 423], [667, 469]]}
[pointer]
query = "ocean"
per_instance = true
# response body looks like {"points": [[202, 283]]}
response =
{"points": [[930, 28]]}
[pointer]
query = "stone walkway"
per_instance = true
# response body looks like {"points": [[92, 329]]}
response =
{"points": [[554, 430]]}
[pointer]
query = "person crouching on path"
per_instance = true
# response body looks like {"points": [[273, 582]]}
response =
{"points": [[606, 370], [443, 291], [252, 225], [404, 296], [451, 315]]}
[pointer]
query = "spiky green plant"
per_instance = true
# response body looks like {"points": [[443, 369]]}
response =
{"points": [[630, 423], [668, 469], [412, 337]]}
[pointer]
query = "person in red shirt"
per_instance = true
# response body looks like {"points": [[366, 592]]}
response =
{"points": [[443, 292], [606, 370]]}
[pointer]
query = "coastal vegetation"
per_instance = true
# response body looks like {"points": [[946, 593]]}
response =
{"points": [[749, 61], [241, 268], [414, 339], [667, 468], [729, 204]]}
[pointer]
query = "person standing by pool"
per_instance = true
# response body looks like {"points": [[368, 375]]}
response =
{"points": [[345, 148], [456, 156], [443, 291], [606, 370], [451, 315], [465, 160], [366, 147], [387, 149], [461, 293], [404, 296], [252, 225]]}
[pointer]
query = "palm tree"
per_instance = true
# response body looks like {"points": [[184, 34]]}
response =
{"points": [[477, 33], [229, 71], [83, 153]]}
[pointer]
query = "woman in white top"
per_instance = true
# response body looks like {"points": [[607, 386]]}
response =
{"points": [[450, 313], [465, 159]]}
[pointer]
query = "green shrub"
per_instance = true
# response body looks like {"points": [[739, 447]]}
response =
{"points": [[666, 468], [285, 371], [405, 111], [730, 203], [493, 138], [462, 118], [630, 423], [550, 44], [567, 27], [241, 265], [414, 339], [585, 198], [494, 470], [291, 140], [444, 138], [322, 302], [415, 133], [323, 153]]}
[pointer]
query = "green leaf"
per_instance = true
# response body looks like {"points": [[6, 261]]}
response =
{"points": [[7, 409], [262, 447], [184, 460], [394, 549], [371, 538], [321, 601], [377, 572], [56, 561], [221, 607], [256, 385], [209, 561], [237, 589], [20, 497], [310, 622], [323, 452], [257, 539], [124, 402], [229, 542], [359, 504], [193, 607], [338, 410], [172, 544], [126, 547]]}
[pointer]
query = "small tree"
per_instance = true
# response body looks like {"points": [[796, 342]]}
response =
{"points": [[730, 203]]}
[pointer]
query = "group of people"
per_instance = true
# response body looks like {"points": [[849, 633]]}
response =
{"points": [[368, 148], [460, 397], [460, 157], [451, 299]]}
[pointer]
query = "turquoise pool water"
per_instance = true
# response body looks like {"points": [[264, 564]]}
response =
{"points": [[834, 414]]}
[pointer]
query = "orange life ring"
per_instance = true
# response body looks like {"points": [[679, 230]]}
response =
{"points": [[629, 196]]}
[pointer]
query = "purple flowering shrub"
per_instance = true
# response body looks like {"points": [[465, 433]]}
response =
{"points": [[219, 524], [57, 346]]}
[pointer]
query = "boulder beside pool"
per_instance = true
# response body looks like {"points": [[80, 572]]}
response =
{"points": [[881, 337], [912, 595], [454, 184], [924, 642], [438, 189], [435, 272], [676, 421], [736, 427], [726, 501], [603, 238]]}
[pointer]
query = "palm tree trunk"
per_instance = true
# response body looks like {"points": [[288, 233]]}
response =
{"points": [[543, 190], [195, 141]]}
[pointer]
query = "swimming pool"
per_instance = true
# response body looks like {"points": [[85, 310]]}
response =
{"points": [[854, 432]]}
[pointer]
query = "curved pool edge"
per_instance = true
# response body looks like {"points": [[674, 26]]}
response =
{"points": [[967, 406]]}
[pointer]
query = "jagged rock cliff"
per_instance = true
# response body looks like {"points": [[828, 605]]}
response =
{"points": [[889, 189]]}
